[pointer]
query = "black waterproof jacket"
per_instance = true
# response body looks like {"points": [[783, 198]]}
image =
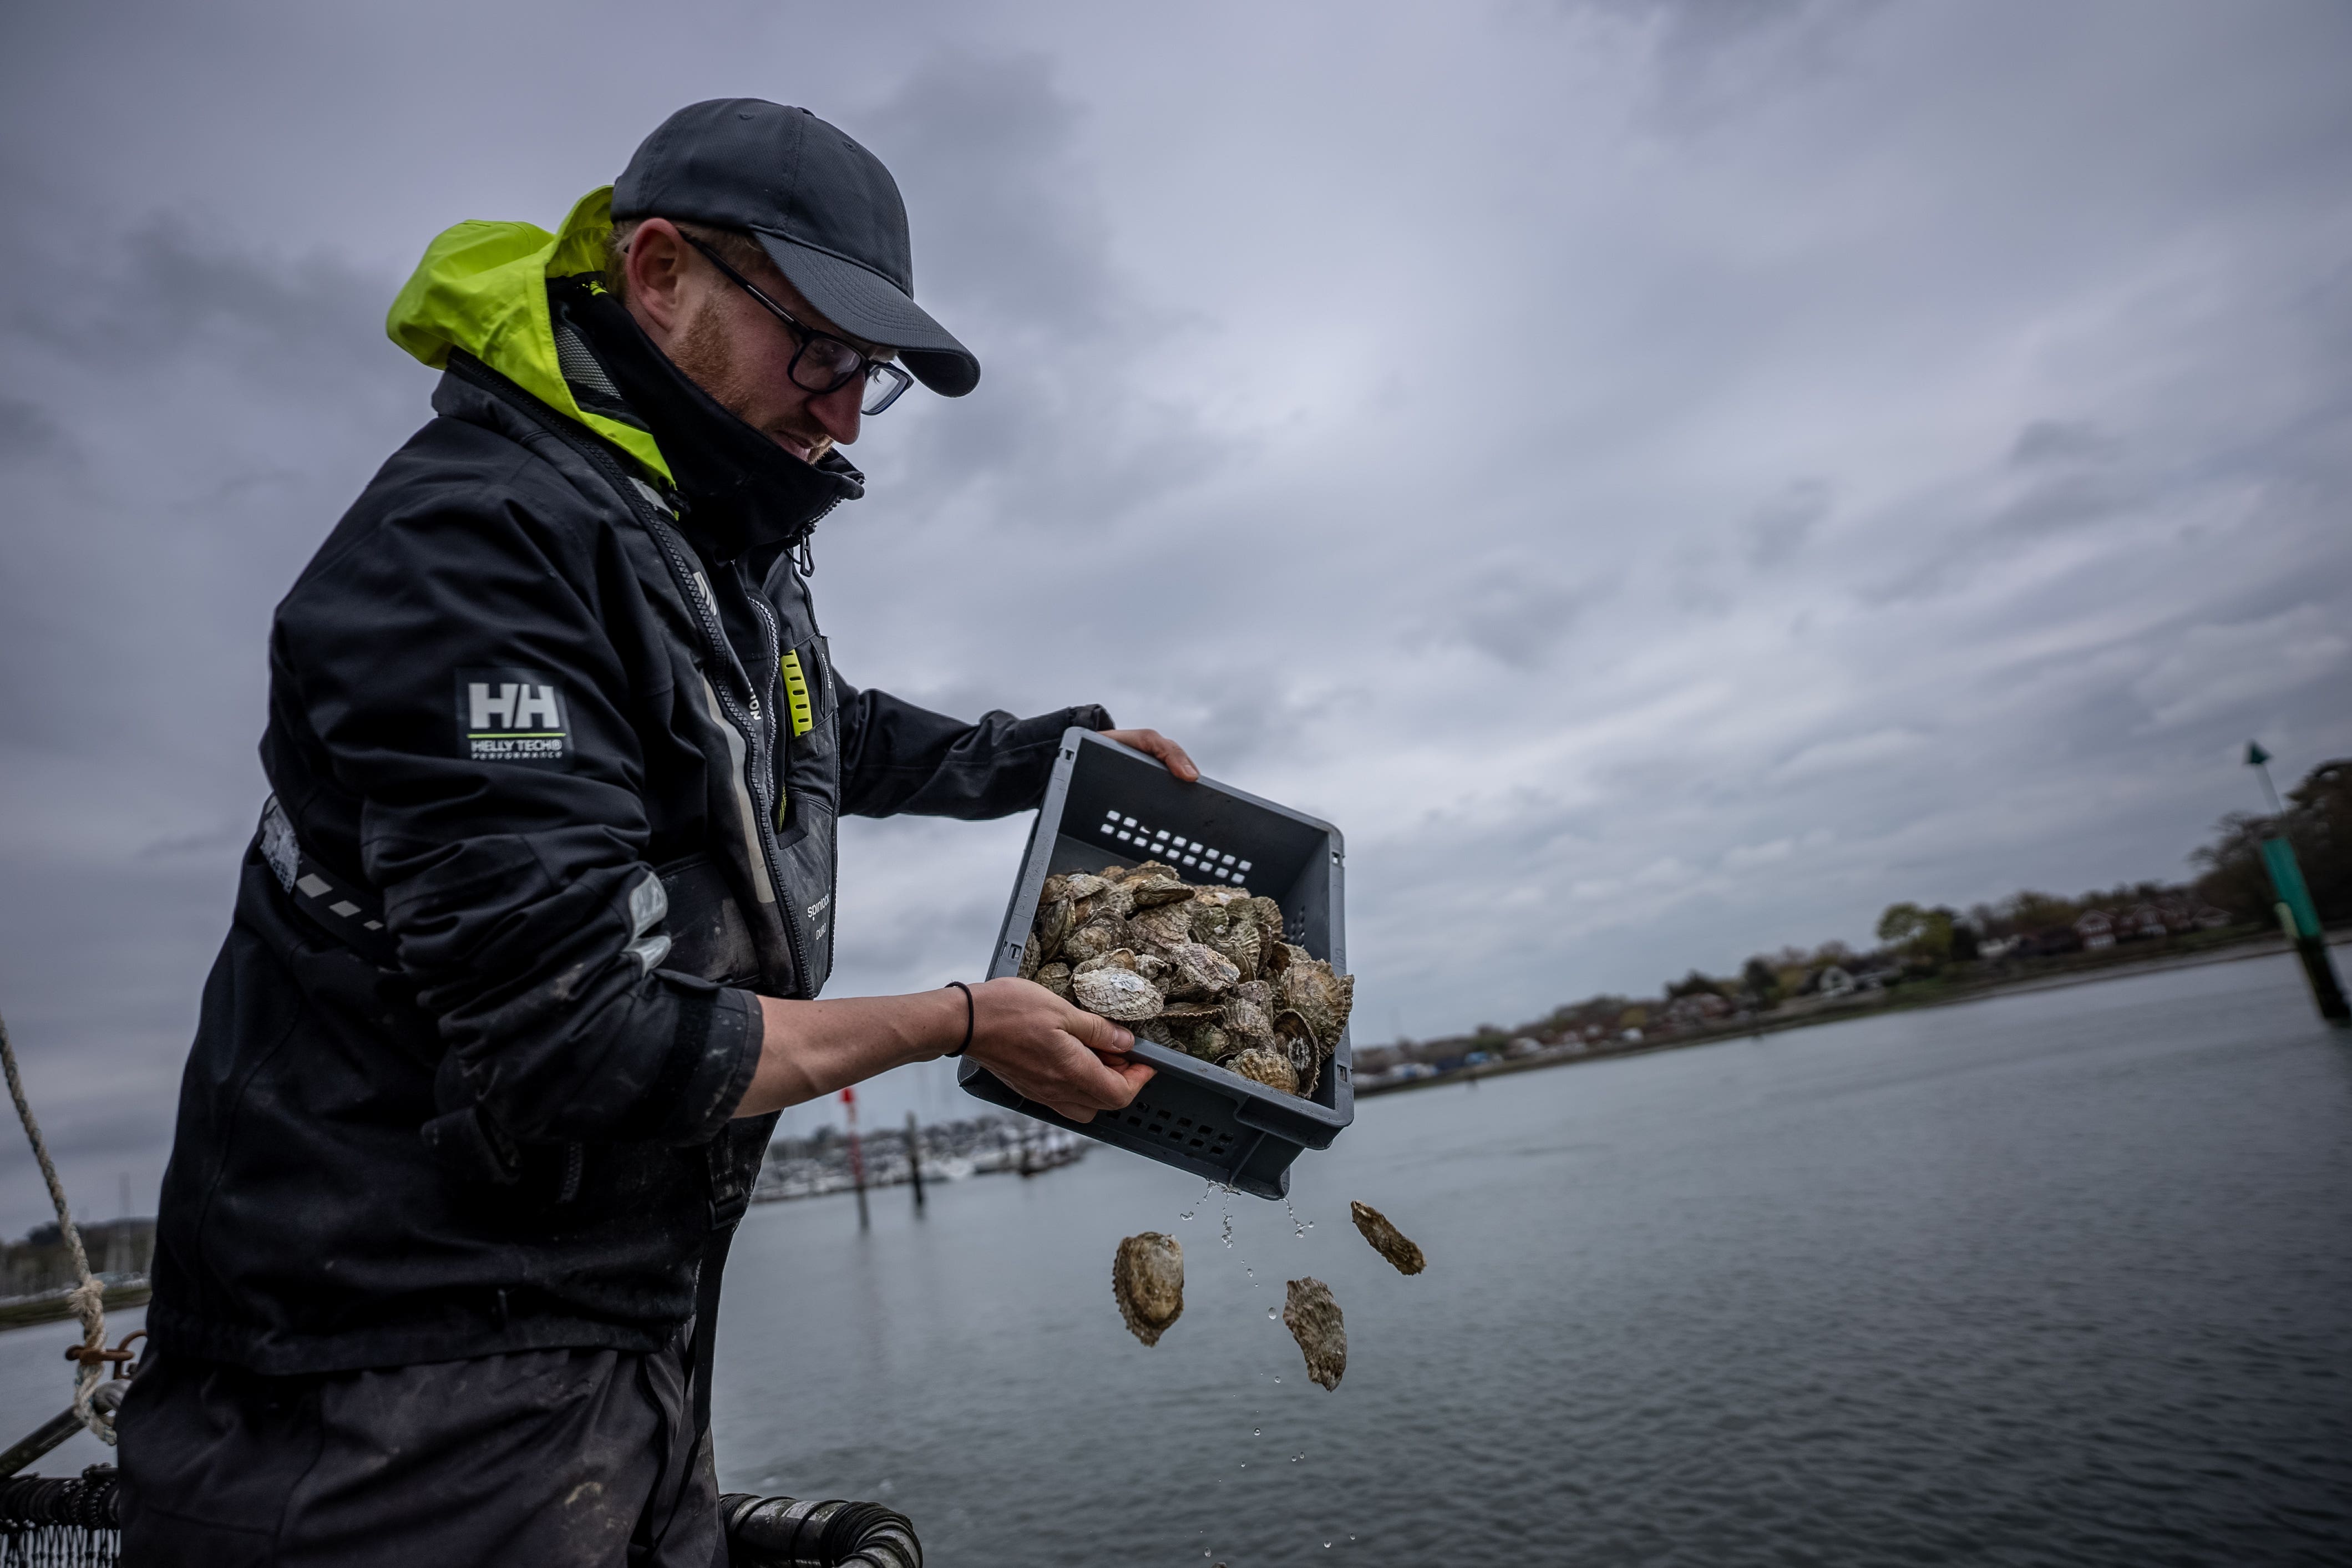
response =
{"points": [[557, 771]]}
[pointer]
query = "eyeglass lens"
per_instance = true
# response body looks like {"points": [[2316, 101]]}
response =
{"points": [[825, 363]]}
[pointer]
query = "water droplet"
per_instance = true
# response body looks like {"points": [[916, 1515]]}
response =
{"points": [[1269, 1314], [1258, 1432]]}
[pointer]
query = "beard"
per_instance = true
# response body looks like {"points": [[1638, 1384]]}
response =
{"points": [[711, 357]]}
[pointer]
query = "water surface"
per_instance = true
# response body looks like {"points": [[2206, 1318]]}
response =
{"points": [[2048, 1279]]}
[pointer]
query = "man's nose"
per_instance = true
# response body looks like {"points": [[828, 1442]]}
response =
{"points": [[837, 411]]}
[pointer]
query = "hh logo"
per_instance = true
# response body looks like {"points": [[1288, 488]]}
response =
{"points": [[513, 716]]}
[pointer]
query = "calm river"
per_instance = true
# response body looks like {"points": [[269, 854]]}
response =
{"points": [[2051, 1279]]}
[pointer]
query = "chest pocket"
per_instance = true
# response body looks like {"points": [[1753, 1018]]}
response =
{"points": [[808, 738]]}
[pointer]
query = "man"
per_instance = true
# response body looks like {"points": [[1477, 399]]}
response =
{"points": [[525, 953]]}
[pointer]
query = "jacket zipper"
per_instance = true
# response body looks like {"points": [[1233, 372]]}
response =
{"points": [[706, 615], [759, 763]]}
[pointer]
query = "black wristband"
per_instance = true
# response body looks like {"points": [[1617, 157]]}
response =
{"points": [[968, 1011]]}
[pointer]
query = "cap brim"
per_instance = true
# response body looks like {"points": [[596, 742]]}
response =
{"points": [[866, 305]]}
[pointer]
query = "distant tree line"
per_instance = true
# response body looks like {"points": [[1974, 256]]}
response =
{"points": [[1927, 943]]}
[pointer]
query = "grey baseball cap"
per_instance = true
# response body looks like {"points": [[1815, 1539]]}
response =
{"points": [[823, 208]]}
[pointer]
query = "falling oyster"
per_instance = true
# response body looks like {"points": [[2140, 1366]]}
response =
{"points": [[1121, 995], [1147, 1278], [1386, 1239], [1313, 1319]]}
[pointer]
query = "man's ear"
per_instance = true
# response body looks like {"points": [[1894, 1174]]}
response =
{"points": [[657, 266]]}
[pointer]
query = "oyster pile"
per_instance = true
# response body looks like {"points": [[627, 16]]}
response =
{"points": [[1147, 1278], [1201, 969]]}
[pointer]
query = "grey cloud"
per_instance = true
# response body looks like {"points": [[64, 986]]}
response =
{"points": [[1781, 530], [2060, 441], [27, 431]]}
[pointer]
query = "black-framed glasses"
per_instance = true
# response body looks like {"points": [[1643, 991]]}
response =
{"points": [[823, 362]]}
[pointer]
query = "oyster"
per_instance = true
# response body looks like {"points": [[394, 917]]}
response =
{"points": [[1053, 922], [1029, 958], [1309, 987], [1092, 940], [1246, 1022], [1241, 941], [1313, 1319], [1386, 1239], [1259, 992], [1121, 995], [1268, 1068], [1210, 918], [1206, 1040], [1147, 1280], [1163, 926], [1103, 898], [1158, 888], [1194, 967], [1270, 923], [1055, 978]]}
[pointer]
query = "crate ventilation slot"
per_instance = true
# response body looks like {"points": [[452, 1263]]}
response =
{"points": [[1174, 849], [1183, 1131]]}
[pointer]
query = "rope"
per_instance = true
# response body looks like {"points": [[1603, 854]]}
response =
{"points": [[87, 1299]]}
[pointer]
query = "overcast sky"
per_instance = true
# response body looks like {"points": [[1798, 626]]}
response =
{"points": [[1666, 478]]}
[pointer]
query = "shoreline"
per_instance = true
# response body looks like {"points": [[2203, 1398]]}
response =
{"points": [[2268, 945]]}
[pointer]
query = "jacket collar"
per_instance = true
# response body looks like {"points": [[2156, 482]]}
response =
{"points": [[743, 495]]}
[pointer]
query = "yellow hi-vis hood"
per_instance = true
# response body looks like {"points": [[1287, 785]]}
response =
{"points": [[482, 287]]}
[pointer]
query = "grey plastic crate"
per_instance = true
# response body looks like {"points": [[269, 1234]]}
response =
{"points": [[1108, 804]]}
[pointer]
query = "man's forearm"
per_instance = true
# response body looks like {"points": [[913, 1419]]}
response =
{"points": [[1036, 1043], [809, 1049]]}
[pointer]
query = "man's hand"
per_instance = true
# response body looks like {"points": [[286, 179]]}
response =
{"points": [[1151, 743], [1049, 1051]]}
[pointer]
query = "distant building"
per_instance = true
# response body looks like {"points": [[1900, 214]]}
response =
{"points": [[1834, 982], [2140, 923], [1696, 1009], [2096, 928]]}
